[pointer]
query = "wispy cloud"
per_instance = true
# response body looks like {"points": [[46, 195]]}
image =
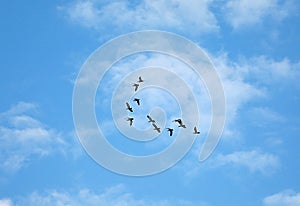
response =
{"points": [[23, 137], [6, 202], [268, 71], [241, 13], [116, 195], [254, 161], [284, 198], [124, 16]]}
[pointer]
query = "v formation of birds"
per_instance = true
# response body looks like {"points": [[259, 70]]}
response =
{"points": [[150, 119]]}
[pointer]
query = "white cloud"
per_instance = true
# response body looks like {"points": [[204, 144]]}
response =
{"points": [[5, 202], [182, 16], [238, 91], [284, 198], [269, 71], [241, 13], [116, 195], [24, 138], [254, 161], [264, 116]]}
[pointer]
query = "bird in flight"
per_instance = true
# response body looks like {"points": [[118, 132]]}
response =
{"points": [[140, 80], [136, 86], [130, 119], [156, 128], [128, 107], [137, 100], [196, 131], [150, 119], [170, 130], [179, 121]]}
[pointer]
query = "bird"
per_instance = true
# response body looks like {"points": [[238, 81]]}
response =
{"points": [[137, 100], [128, 107], [150, 119], [179, 121], [156, 128], [196, 131], [130, 119], [136, 86], [140, 80], [182, 125], [170, 130]]}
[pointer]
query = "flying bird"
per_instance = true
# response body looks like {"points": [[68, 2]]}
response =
{"points": [[130, 119], [170, 130], [182, 125], [137, 100], [136, 86], [179, 121], [140, 80], [150, 119], [156, 128], [128, 107], [196, 131]]}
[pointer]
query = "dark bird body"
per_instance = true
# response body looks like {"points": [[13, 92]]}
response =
{"points": [[196, 131], [140, 80], [179, 121], [130, 119], [150, 119], [171, 131], [137, 100], [156, 128], [136, 86], [128, 107]]}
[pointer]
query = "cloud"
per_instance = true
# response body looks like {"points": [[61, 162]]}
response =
{"points": [[24, 138], [241, 13], [124, 16], [268, 71], [5, 202], [115, 195], [284, 198], [254, 161]]}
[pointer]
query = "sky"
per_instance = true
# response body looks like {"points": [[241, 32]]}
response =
{"points": [[254, 48]]}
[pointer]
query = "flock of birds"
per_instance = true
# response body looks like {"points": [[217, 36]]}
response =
{"points": [[150, 119]]}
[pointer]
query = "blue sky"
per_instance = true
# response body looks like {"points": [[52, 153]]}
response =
{"points": [[254, 46]]}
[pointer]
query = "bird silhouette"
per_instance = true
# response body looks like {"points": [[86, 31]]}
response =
{"points": [[137, 100], [130, 119], [140, 80], [170, 130], [196, 131], [182, 125], [179, 121], [150, 119], [156, 128], [128, 107], [136, 86]]}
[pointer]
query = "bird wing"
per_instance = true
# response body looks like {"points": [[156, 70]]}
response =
{"points": [[195, 129], [171, 132], [156, 127], [136, 87], [127, 104]]}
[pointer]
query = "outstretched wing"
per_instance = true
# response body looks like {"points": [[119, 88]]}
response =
{"points": [[156, 127]]}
